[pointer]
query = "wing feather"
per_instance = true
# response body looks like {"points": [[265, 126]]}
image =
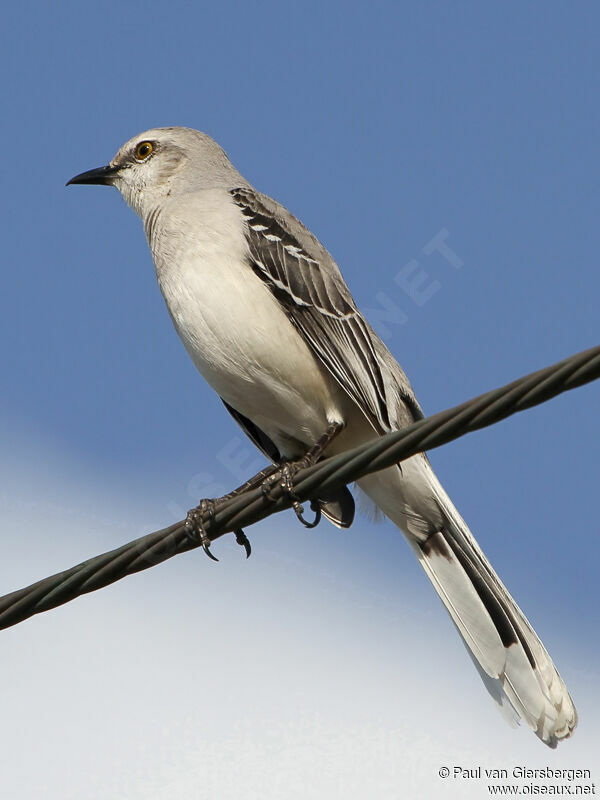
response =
{"points": [[306, 280]]}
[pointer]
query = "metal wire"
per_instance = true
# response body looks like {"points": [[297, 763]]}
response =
{"points": [[253, 505]]}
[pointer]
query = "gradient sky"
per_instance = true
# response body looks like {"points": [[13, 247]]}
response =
{"points": [[325, 666]]}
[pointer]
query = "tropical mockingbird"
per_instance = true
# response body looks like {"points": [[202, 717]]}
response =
{"points": [[267, 318]]}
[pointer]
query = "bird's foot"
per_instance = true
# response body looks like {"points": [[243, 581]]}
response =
{"points": [[243, 541], [285, 478], [195, 525]]}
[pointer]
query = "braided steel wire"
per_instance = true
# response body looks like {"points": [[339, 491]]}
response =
{"points": [[253, 505]]}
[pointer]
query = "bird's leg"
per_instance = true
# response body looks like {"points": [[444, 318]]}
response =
{"points": [[266, 478], [252, 483], [196, 531], [285, 473], [206, 508]]}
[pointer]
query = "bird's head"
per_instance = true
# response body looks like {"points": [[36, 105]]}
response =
{"points": [[162, 162]]}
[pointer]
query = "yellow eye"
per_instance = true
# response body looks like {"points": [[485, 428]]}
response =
{"points": [[143, 150]]}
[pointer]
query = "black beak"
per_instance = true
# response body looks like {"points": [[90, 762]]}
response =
{"points": [[101, 175]]}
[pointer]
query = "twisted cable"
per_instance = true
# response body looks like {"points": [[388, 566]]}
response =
{"points": [[253, 505]]}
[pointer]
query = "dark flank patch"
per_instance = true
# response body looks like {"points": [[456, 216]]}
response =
{"points": [[259, 437]]}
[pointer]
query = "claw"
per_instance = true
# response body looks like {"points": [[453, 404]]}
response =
{"points": [[206, 548], [194, 527], [243, 540], [285, 478], [300, 514]]}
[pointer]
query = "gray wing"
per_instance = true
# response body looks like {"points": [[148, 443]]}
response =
{"points": [[308, 284]]}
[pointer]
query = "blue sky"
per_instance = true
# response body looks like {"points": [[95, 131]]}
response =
{"points": [[382, 128]]}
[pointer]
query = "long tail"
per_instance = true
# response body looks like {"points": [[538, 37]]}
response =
{"points": [[506, 650]]}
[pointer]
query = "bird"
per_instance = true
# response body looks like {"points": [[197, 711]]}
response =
{"points": [[267, 318]]}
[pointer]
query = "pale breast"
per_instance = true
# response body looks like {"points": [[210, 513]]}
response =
{"points": [[235, 331]]}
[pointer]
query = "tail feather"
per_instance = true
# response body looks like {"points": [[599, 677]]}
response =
{"points": [[528, 677], [510, 656]]}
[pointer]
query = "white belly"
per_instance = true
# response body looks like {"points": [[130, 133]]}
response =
{"points": [[233, 328]]}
